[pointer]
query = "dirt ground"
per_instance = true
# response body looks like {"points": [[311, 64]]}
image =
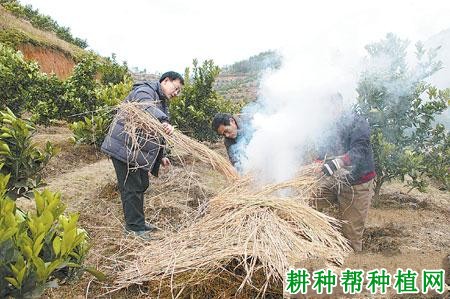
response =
{"points": [[406, 231]]}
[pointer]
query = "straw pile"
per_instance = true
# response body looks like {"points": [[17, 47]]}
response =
{"points": [[257, 232], [141, 127], [253, 235]]}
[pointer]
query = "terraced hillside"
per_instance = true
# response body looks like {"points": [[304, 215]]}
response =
{"points": [[239, 81], [52, 53]]}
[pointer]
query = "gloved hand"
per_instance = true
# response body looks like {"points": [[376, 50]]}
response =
{"points": [[331, 166]]}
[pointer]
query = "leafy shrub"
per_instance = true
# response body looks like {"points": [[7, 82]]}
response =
{"points": [[92, 129], [401, 108], [112, 72], [48, 98], [24, 87], [48, 93], [81, 94], [38, 248], [16, 78], [112, 95], [193, 110], [436, 153], [79, 97], [22, 159]]}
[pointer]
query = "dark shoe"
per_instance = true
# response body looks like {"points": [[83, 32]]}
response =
{"points": [[150, 227], [143, 234]]}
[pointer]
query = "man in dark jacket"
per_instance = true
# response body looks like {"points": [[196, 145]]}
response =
{"points": [[348, 154], [132, 168]]}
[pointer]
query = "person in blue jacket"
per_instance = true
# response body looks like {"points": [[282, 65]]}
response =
{"points": [[237, 132]]}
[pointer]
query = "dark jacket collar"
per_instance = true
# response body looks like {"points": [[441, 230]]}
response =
{"points": [[155, 85]]}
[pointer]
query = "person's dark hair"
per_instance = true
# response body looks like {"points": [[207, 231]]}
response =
{"points": [[172, 76], [221, 119]]}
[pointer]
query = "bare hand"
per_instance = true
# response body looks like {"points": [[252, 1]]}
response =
{"points": [[165, 162], [168, 128]]}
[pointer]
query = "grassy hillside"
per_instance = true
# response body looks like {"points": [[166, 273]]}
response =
{"points": [[15, 31], [240, 80], [238, 87], [53, 54]]}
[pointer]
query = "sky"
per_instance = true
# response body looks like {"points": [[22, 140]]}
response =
{"points": [[161, 35]]}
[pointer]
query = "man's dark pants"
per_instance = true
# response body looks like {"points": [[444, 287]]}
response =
{"points": [[132, 185]]}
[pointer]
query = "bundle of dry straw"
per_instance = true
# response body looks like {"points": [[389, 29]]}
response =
{"points": [[142, 127], [255, 231]]}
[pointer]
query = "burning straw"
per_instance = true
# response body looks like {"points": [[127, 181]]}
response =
{"points": [[257, 232], [142, 127]]}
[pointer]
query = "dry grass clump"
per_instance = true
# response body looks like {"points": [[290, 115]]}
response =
{"points": [[141, 127], [175, 199], [385, 239], [259, 232]]}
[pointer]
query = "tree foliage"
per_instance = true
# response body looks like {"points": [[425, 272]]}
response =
{"points": [[48, 97], [37, 247], [112, 72], [92, 129], [43, 22], [79, 96], [401, 108], [21, 158], [19, 80], [194, 109], [87, 97]]}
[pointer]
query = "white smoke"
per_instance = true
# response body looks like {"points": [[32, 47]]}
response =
{"points": [[291, 110]]}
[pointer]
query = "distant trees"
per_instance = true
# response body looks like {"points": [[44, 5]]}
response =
{"points": [[401, 108], [255, 64], [242, 78], [193, 110], [42, 21], [113, 72]]}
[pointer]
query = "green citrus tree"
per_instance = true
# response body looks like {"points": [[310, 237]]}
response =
{"points": [[401, 108]]}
